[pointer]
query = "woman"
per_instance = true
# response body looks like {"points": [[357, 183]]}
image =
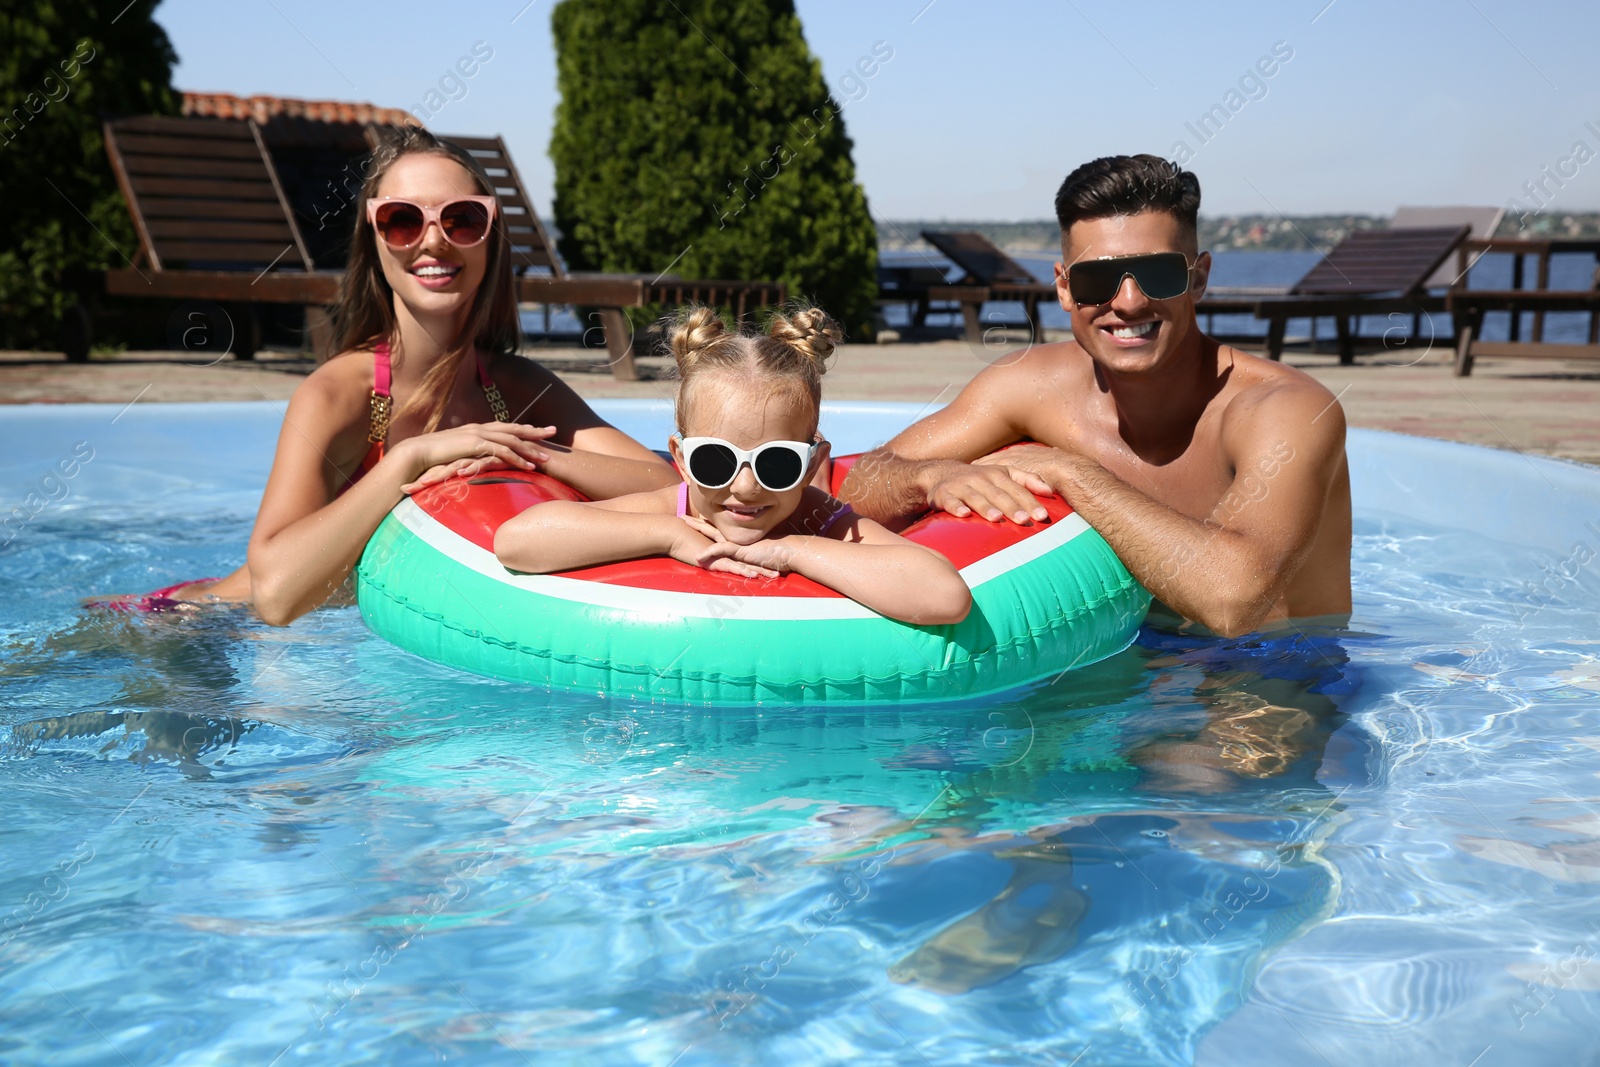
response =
{"points": [[426, 385]]}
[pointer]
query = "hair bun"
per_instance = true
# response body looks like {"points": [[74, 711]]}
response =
{"points": [[696, 330], [809, 331]]}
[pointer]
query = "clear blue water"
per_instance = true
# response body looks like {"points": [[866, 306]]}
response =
{"points": [[228, 843], [1236, 269]]}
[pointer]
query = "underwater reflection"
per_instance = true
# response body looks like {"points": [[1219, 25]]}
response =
{"points": [[150, 736], [173, 681], [1222, 756]]}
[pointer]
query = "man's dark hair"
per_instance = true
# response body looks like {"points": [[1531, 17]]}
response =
{"points": [[1127, 185]]}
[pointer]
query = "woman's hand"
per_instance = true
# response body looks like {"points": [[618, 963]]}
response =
{"points": [[702, 545], [471, 449]]}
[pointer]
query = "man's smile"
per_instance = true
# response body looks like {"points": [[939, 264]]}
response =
{"points": [[1131, 333]]}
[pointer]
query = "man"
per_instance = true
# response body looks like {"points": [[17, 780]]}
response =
{"points": [[1219, 478]]}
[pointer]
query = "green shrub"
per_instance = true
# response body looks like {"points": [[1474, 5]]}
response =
{"points": [[65, 65], [698, 137]]}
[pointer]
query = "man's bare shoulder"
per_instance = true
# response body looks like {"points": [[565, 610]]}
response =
{"points": [[1061, 363], [1266, 397]]}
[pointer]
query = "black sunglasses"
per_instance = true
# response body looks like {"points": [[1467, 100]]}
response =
{"points": [[1159, 276]]}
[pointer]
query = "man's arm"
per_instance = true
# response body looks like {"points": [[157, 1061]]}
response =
{"points": [[1229, 569], [929, 464]]}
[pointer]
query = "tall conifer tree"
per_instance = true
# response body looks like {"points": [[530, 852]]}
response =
{"points": [[698, 137], [65, 65]]}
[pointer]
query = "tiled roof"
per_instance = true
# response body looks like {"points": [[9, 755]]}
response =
{"points": [[265, 108]]}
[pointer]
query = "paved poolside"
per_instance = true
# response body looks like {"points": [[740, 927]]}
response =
{"points": [[1548, 407]]}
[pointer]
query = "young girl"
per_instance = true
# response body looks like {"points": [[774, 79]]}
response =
{"points": [[427, 385], [747, 445]]}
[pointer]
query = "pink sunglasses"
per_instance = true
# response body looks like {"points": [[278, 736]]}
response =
{"points": [[464, 221]]}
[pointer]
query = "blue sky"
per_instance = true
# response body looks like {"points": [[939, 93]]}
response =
{"points": [[984, 107]]}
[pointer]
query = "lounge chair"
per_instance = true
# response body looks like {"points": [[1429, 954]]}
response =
{"points": [[921, 287], [1482, 220], [987, 273], [212, 220], [217, 223], [1469, 306], [1370, 272], [983, 263]]}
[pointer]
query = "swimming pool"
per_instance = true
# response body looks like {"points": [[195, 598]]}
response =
{"points": [[228, 843]]}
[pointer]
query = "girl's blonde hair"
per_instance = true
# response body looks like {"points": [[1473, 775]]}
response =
{"points": [[792, 354], [365, 316]]}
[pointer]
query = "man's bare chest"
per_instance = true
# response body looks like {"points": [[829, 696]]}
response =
{"points": [[1193, 481]]}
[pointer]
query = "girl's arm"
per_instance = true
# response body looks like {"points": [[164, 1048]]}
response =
{"points": [[303, 546], [564, 535], [874, 567]]}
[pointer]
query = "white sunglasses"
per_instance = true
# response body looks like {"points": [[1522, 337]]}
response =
{"points": [[713, 463]]}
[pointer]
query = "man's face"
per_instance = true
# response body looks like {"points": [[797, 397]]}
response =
{"points": [[1131, 333]]}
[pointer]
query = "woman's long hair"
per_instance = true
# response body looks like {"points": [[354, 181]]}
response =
{"points": [[365, 315]]}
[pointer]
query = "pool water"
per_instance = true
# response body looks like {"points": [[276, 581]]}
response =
{"points": [[227, 843]]}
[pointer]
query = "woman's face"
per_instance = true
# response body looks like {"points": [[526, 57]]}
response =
{"points": [[433, 277], [745, 412]]}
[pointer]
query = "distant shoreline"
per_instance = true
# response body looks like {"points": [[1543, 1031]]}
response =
{"points": [[1254, 233]]}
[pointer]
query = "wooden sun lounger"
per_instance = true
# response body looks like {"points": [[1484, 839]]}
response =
{"points": [[212, 220], [216, 223], [1470, 305], [988, 274], [1370, 272], [922, 287]]}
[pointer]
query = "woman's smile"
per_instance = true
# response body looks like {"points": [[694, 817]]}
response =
{"points": [[435, 273]]}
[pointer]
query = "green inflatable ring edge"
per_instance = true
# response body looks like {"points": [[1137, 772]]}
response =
{"points": [[412, 595]]}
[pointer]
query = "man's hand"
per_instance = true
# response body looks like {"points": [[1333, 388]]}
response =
{"points": [[994, 490]]}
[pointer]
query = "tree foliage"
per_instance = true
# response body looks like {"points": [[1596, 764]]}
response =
{"points": [[698, 137], [65, 66]]}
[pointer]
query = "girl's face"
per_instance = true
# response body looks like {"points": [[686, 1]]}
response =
{"points": [[433, 277], [745, 412]]}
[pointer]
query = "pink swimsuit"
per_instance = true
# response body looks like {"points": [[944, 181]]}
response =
{"points": [[381, 401]]}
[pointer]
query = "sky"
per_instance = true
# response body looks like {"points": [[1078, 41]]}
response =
{"points": [[983, 107]]}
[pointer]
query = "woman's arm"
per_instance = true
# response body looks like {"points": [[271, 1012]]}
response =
{"points": [[303, 546], [606, 463], [874, 567], [587, 453]]}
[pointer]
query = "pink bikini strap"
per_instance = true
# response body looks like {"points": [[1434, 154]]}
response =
{"points": [[380, 402], [381, 376], [683, 499], [491, 393]]}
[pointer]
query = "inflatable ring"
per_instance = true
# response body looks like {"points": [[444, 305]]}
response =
{"points": [[1046, 598]]}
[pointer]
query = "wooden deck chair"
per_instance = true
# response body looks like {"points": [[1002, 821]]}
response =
{"points": [[985, 264], [212, 220], [218, 222], [1468, 307], [1484, 221], [1370, 272], [203, 195]]}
